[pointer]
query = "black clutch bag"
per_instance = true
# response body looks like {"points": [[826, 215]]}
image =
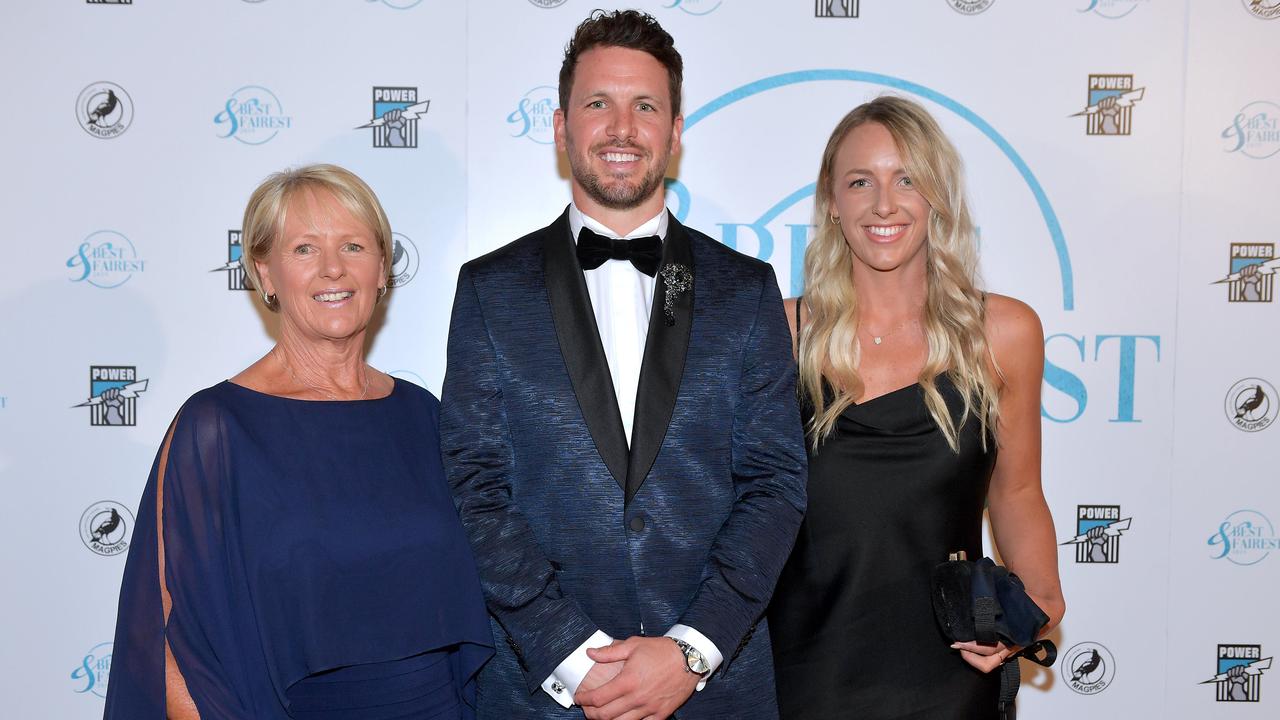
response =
{"points": [[984, 602]]}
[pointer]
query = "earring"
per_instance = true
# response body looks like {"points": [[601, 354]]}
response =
{"points": [[835, 219], [268, 300], [382, 291]]}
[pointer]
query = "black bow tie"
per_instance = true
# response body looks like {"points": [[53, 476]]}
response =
{"points": [[645, 253]]}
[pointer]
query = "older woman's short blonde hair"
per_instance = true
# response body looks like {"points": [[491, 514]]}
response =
{"points": [[264, 217]]}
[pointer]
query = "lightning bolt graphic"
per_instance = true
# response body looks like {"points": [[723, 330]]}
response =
{"points": [[1269, 267], [231, 265], [128, 391], [413, 112], [1125, 100], [1114, 529], [1254, 668]]}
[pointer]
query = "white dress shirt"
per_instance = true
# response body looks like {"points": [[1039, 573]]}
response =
{"points": [[621, 300]]}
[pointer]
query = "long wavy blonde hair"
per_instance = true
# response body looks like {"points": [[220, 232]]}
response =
{"points": [[954, 314]]}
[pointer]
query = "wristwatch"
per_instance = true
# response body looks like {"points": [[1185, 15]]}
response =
{"points": [[694, 662]]}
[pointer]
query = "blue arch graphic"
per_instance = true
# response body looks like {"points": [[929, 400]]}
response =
{"points": [[804, 76]]}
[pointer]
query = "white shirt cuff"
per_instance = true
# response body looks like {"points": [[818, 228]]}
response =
{"points": [[702, 644], [564, 681]]}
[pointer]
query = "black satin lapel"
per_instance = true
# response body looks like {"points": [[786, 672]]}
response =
{"points": [[663, 364], [580, 345]]}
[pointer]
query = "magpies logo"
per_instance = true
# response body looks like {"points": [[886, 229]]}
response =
{"points": [[1251, 404], [105, 528], [104, 110], [1088, 668]]}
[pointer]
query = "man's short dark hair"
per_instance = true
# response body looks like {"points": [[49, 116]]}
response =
{"points": [[627, 29]]}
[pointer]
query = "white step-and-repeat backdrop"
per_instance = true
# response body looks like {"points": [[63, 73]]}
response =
{"points": [[1143, 230]]}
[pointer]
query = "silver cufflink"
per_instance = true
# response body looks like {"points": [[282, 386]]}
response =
{"points": [[557, 687]]}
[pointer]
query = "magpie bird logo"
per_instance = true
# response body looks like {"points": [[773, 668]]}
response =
{"points": [[1110, 107], [1089, 668], [1251, 404], [1098, 531], [104, 110], [404, 260], [1263, 9], [1239, 676], [970, 7], [105, 528]]}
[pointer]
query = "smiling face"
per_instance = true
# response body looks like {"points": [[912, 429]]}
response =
{"points": [[882, 215], [325, 269], [618, 130]]}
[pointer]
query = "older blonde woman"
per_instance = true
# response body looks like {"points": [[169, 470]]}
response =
{"points": [[912, 379], [297, 553]]}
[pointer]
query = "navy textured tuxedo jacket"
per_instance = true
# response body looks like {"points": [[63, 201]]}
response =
{"points": [[574, 531]]}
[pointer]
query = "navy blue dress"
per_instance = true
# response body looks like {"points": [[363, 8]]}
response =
{"points": [[317, 567]]}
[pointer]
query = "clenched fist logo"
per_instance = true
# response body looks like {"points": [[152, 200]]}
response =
{"points": [[113, 405]]}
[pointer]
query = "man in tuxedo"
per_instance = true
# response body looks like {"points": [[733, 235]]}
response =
{"points": [[620, 425]]}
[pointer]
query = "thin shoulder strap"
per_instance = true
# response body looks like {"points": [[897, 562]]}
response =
{"points": [[795, 339]]}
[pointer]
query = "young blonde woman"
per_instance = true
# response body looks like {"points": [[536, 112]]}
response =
{"points": [[922, 405]]}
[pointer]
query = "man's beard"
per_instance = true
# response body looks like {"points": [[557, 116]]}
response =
{"points": [[618, 195]]}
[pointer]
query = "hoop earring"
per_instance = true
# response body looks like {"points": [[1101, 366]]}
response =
{"points": [[382, 291], [835, 219], [268, 300]]}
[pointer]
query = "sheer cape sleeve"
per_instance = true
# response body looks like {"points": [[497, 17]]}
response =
{"points": [[185, 501]]}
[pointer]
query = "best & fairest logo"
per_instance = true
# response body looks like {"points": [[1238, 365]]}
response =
{"points": [[1112, 9], [1246, 537], [1251, 272], [1254, 131], [835, 8], [104, 110], [94, 671], [236, 279], [1098, 531], [252, 115], [533, 115], [105, 528], [105, 259], [1110, 107], [1263, 9], [970, 7], [113, 395], [404, 260], [1088, 668], [1239, 676], [396, 111], [1251, 404]]}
